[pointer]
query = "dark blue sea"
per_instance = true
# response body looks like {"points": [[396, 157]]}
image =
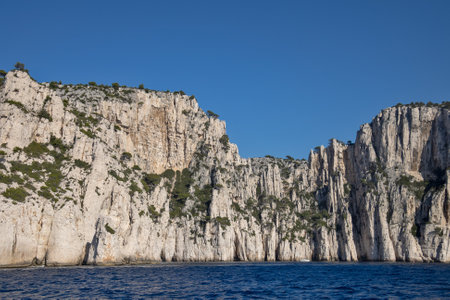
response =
{"points": [[231, 280]]}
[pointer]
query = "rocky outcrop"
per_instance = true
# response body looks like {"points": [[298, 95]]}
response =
{"points": [[103, 175]]}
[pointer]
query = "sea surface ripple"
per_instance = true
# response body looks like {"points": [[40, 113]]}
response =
{"points": [[231, 280]]}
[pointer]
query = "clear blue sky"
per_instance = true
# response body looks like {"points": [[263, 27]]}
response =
{"points": [[285, 75]]}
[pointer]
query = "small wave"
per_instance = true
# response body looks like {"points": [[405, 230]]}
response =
{"points": [[256, 281]]}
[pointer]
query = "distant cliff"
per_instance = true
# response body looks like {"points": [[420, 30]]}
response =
{"points": [[113, 175]]}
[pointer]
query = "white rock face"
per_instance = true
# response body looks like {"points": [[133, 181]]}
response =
{"points": [[94, 175]]}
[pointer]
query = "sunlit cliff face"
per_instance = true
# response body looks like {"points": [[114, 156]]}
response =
{"points": [[103, 175]]}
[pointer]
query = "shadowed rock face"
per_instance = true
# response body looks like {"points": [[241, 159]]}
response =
{"points": [[96, 175]]}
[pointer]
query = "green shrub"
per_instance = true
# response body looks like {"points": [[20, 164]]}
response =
{"points": [[19, 66], [45, 192], [223, 222], [115, 175], [88, 133], [169, 174], [92, 83], [33, 171], [154, 214], [182, 184], [150, 181], [54, 179], [414, 230], [224, 140], [115, 85], [141, 86], [47, 99], [203, 198], [136, 168], [117, 128], [134, 188], [10, 179], [53, 85], [83, 120], [82, 164], [38, 171], [58, 143], [43, 114], [180, 192], [259, 193], [417, 187], [18, 105], [29, 186], [237, 208], [35, 149], [405, 180], [439, 231], [314, 218], [17, 194], [212, 114], [285, 173], [126, 156], [109, 229], [284, 204]]}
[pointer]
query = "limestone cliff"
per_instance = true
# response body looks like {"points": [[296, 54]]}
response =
{"points": [[103, 175]]}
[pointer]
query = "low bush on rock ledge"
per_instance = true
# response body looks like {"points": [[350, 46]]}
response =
{"points": [[17, 194], [109, 229], [82, 164]]}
